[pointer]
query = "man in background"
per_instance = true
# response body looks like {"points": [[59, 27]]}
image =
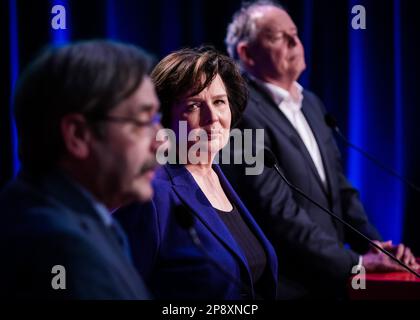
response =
{"points": [[313, 261], [87, 118]]}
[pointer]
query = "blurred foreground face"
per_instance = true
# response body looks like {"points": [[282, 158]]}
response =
{"points": [[208, 116], [277, 51], [125, 155]]}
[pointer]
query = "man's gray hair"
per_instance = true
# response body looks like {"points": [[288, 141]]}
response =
{"points": [[243, 27]]}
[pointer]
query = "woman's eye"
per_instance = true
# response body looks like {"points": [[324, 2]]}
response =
{"points": [[220, 102], [192, 107]]}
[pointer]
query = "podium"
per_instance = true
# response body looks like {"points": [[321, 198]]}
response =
{"points": [[387, 286]]}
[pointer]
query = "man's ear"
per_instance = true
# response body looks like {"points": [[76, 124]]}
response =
{"points": [[76, 135], [244, 54]]}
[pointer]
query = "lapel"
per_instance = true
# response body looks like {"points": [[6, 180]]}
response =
{"points": [[193, 198], [283, 124], [321, 135]]}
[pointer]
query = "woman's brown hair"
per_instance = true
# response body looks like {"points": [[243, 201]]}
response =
{"points": [[189, 71]]}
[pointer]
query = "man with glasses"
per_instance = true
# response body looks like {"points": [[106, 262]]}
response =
{"points": [[87, 119]]}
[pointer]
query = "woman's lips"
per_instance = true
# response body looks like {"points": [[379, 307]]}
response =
{"points": [[213, 135]]}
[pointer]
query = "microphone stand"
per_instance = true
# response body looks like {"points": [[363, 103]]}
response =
{"points": [[331, 122], [272, 162]]}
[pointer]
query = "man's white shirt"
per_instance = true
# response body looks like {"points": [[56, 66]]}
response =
{"points": [[292, 108]]}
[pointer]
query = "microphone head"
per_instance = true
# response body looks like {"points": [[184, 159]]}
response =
{"points": [[269, 158], [330, 121], [184, 218]]}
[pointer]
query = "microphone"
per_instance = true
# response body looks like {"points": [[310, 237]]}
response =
{"points": [[332, 123], [270, 161], [186, 221]]}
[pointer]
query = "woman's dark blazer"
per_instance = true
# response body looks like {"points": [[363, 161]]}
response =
{"points": [[166, 256]]}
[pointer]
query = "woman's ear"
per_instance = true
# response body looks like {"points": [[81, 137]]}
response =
{"points": [[76, 135]]}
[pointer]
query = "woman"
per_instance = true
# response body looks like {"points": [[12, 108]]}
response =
{"points": [[202, 90]]}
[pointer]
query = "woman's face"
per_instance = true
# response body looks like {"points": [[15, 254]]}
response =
{"points": [[208, 118]]}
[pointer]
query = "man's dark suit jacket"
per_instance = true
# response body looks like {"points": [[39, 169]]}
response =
{"points": [[169, 261], [49, 221], [309, 243]]}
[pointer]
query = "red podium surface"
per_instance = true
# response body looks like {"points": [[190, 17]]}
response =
{"points": [[393, 285]]}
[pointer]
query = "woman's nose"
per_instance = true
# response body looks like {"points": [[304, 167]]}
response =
{"points": [[210, 114]]}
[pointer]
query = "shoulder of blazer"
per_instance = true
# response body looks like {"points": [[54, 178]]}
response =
{"points": [[40, 213], [257, 94], [312, 99], [171, 174]]}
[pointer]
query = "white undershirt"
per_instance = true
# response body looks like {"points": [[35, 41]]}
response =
{"points": [[292, 108]]}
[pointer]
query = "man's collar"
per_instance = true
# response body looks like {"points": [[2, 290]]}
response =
{"points": [[279, 94], [100, 208]]}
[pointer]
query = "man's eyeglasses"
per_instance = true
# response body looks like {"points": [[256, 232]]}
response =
{"points": [[138, 123]]}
